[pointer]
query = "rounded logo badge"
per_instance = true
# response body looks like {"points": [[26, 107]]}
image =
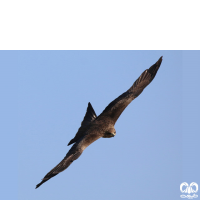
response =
{"points": [[189, 189]]}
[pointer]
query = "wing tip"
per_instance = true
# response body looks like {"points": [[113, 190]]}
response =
{"points": [[38, 185], [43, 181], [160, 60], [154, 68], [71, 142]]}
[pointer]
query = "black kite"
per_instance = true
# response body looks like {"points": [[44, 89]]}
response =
{"points": [[93, 127]]}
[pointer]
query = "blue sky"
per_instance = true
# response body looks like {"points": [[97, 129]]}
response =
{"points": [[45, 96]]}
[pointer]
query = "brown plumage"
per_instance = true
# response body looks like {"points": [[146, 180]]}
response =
{"points": [[93, 127]]}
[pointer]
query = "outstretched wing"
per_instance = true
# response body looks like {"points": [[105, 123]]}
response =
{"points": [[116, 107], [89, 117], [72, 155]]}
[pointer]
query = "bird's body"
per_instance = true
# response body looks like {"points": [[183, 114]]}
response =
{"points": [[93, 127]]}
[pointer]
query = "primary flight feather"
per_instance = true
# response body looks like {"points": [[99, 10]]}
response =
{"points": [[93, 127]]}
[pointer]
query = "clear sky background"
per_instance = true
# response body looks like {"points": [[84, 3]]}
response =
{"points": [[45, 96]]}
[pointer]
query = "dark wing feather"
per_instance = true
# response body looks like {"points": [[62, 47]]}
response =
{"points": [[89, 117], [116, 107], [72, 155]]}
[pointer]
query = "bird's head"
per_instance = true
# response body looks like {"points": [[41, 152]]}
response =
{"points": [[111, 132]]}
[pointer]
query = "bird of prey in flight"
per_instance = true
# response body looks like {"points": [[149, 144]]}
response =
{"points": [[93, 127]]}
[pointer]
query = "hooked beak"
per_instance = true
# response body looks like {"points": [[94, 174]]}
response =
{"points": [[113, 134]]}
